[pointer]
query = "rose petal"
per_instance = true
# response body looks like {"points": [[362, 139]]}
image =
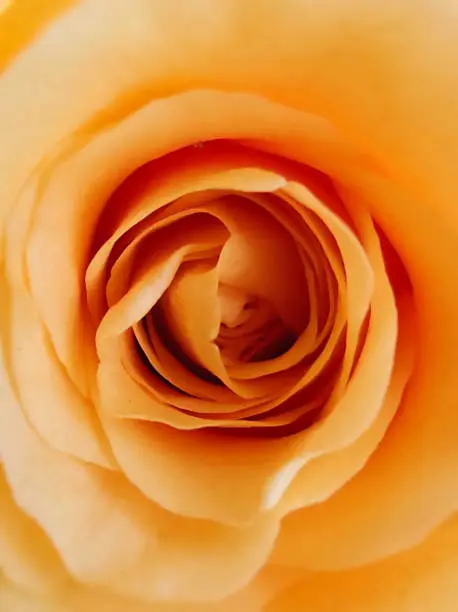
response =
{"points": [[422, 579], [147, 289], [192, 313], [323, 476], [19, 25], [267, 478], [83, 517], [408, 486], [195, 473], [27, 558], [173, 370], [317, 271], [128, 389], [80, 171], [200, 561], [398, 107], [267, 583], [258, 241], [359, 276], [106, 531], [186, 173], [44, 388]]}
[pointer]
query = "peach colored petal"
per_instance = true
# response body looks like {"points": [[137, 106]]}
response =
{"points": [[420, 580], [84, 519], [4, 5], [27, 558], [192, 312], [44, 389], [147, 289], [21, 22], [53, 297], [408, 486], [258, 241], [314, 262], [325, 475], [122, 395], [263, 230], [193, 461], [363, 296], [230, 212], [128, 390], [79, 598], [337, 427], [358, 288], [71, 281], [196, 473], [381, 108], [199, 561], [107, 533], [177, 373], [115, 146], [200, 235]]}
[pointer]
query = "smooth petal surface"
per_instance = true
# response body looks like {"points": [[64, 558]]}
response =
{"points": [[98, 92], [326, 474], [407, 53], [27, 557], [107, 533], [420, 580], [408, 486], [44, 388], [22, 20], [252, 598]]}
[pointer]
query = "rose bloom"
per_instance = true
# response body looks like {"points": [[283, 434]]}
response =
{"points": [[229, 299]]}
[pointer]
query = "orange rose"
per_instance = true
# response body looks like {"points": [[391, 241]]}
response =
{"points": [[229, 331]]}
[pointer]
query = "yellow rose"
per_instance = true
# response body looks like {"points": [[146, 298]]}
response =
{"points": [[228, 306]]}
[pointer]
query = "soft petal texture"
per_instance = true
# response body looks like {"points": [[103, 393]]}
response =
{"points": [[420, 580], [326, 474], [107, 533], [22, 20], [27, 557], [407, 53], [112, 149], [44, 388], [380, 74], [408, 487], [252, 598], [380, 213]]}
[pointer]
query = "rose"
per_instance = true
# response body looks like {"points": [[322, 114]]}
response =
{"points": [[121, 492]]}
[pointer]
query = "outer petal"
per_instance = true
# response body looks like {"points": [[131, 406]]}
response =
{"points": [[22, 20], [382, 71], [75, 598], [390, 86], [420, 580], [108, 534], [409, 486], [27, 557]]}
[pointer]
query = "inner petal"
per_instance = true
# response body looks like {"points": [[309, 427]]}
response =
{"points": [[259, 243], [192, 314], [250, 328], [191, 311], [235, 305]]}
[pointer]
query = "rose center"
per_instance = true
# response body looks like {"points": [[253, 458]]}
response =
{"points": [[250, 329]]}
